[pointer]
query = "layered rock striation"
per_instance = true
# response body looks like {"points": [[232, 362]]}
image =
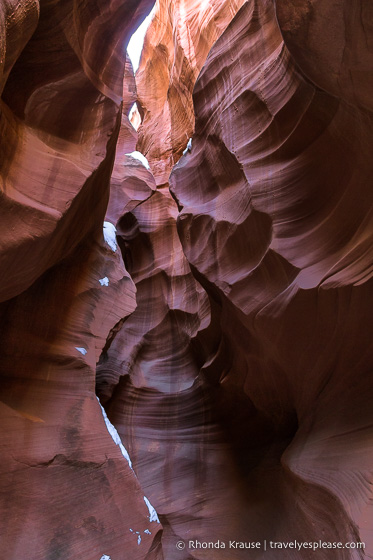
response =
{"points": [[175, 49], [225, 323], [275, 221], [66, 487]]}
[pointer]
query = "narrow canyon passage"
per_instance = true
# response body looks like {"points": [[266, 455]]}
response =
{"points": [[203, 274], [149, 378]]}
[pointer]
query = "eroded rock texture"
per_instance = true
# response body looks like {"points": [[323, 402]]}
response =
{"points": [[332, 44], [66, 488], [176, 46], [276, 220], [229, 320]]}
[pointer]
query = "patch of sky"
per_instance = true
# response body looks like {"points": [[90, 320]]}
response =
{"points": [[136, 42], [110, 235]]}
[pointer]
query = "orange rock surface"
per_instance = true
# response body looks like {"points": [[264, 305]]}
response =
{"points": [[175, 49]]}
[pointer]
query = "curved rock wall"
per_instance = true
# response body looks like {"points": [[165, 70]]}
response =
{"points": [[332, 44], [175, 49], [276, 223], [66, 488], [230, 322]]}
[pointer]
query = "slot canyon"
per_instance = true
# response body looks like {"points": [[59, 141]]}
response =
{"points": [[186, 309]]}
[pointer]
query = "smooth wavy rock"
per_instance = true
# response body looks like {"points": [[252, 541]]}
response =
{"points": [[67, 489], [230, 321], [332, 44], [149, 380], [175, 49], [276, 221], [63, 117], [171, 306]]}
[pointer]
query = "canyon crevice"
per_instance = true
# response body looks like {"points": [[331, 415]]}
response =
{"points": [[186, 349]]}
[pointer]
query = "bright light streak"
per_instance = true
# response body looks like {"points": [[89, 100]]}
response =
{"points": [[137, 41]]}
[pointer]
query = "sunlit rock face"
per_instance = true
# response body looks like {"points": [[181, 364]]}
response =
{"points": [[275, 221], [66, 487], [175, 49]]}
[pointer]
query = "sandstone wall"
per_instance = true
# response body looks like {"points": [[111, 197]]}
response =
{"points": [[224, 323]]}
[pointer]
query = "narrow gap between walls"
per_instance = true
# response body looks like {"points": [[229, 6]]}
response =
{"points": [[134, 50]]}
